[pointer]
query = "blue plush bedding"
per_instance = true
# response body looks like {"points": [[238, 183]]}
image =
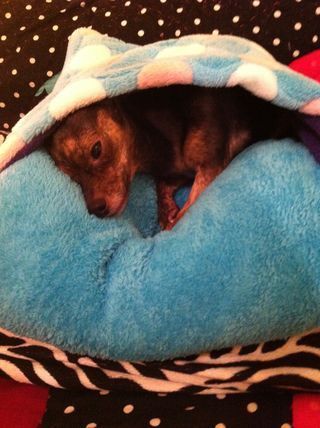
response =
{"points": [[241, 267]]}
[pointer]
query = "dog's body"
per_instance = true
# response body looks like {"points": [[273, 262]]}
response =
{"points": [[174, 134]]}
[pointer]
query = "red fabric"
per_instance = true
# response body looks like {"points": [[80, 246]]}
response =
{"points": [[21, 405], [306, 411], [309, 65]]}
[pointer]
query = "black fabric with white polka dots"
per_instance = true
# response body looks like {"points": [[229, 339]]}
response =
{"points": [[137, 410], [34, 33]]}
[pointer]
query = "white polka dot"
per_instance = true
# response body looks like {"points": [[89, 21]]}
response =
{"points": [[35, 37], [49, 73], [236, 19], [317, 12], [220, 425], [259, 80], [90, 56], [197, 21], [160, 22], [187, 50], [199, 1], [215, 32], [41, 17], [6, 125], [256, 29], [221, 396], [94, 9], [63, 10], [155, 422], [143, 11], [48, 1], [315, 38], [180, 10], [3, 37], [21, 115], [256, 3], [32, 60], [190, 408], [16, 95], [297, 26], [216, 7], [277, 13], [52, 49], [295, 53], [18, 49], [32, 84], [177, 33], [79, 93], [75, 18], [8, 15], [14, 72], [91, 425], [163, 1], [106, 392], [127, 3], [55, 27], [276, 41], [107, 14], [128, 409], [22, 28], [124, 23], [140, 33], [1, 60], [252, 407], [2, 105], [68, 410], [82, 4], [28, 7]]}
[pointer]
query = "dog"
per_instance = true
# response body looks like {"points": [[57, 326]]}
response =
{"points": [[176, 134]]}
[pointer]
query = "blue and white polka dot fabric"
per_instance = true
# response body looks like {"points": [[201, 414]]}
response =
{"points": [[98, 66]]}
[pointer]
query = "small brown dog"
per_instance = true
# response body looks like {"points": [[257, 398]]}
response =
{"points": [[174, 134]]}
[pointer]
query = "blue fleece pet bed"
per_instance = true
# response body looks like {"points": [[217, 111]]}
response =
{"points": [[241, 267]]}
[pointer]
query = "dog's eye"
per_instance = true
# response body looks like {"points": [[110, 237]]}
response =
{"points": [[96, 150]]}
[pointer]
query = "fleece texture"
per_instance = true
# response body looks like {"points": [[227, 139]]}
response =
{"points": [[98, 66], [241, 267]]}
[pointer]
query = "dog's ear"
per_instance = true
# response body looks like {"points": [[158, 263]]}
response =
{"points": [[110, 111]]}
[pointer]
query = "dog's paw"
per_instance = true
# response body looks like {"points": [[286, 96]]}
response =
{"points": [[167, 217]]}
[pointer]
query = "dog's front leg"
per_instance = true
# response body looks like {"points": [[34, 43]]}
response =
{"points": [[204, 176], [167, 207]]}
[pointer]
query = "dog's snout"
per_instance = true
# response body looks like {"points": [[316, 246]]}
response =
{"points": [[99, 208]]}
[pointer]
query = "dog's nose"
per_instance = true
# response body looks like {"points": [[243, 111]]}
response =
{"points": [[99, 208]]}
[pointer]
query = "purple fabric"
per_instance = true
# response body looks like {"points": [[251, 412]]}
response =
{"points": [[310, 135]]}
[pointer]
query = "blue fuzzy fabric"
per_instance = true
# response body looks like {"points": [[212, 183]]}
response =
{"points": [[241, 267]]}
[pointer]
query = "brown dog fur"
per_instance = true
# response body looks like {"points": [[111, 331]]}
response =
{"points": [[174, 134]]}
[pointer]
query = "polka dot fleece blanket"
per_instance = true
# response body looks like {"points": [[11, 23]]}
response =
{"points": [[241, 267]]}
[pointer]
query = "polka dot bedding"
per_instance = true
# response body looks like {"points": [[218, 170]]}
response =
{"points": [[195, 392], [33, 40], [33, 34]]}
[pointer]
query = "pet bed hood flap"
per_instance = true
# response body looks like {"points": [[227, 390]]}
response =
{"points": [[242, 266], [98, 66]]}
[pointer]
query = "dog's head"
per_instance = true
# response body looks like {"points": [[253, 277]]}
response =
{"points": [[93, 146]]}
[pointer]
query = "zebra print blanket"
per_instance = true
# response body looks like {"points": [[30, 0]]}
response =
{"points": [[293, 363]]}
